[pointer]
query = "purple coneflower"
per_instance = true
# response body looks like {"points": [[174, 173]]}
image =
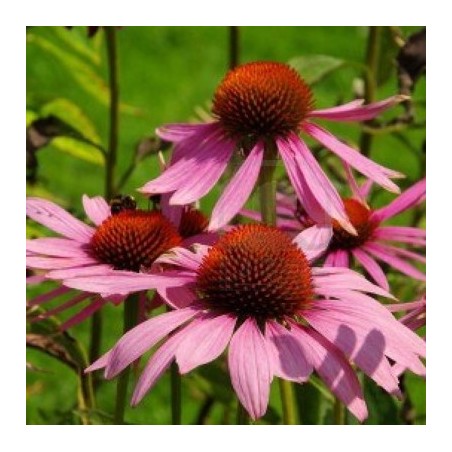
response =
{"points": [[258, 107], [124, 242], [255, 293], [371, 241]]}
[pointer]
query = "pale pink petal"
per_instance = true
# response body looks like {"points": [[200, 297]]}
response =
{"points": [[94, 306], [304, 194], [54, 263], [344, 108], [96, 209], [365, 188], [358, 112], [401, 252], [362, 343], [250, 368], [178, 132], [238, 190], [372, 170], [92, 270], [144, 336], [48, 296], [173, 213], [408, 199], [334, 369], [35, 279], [372, 267], [290, 357], [208, 174], [353, 184], [156, 366], [314, 241], [99, 363], [204, 340], [123, 283], [179, 297], [390, 258], [53, 246], [323, 190], [57, 219], [403, 234], [397, 307], [180, 257]]}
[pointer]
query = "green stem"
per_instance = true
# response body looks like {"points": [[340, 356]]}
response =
{"points": [[267, 195], [233, 47], [176, 399], [370, 87], [242, 415], [96, 334], [130, 320], [339, 412]]}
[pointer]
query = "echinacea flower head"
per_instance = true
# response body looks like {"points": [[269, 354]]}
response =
{"points": [[256, 294], [257, 107], [373, 241], [124, 241]]}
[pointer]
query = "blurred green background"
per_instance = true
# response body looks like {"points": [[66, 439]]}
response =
{"points": [[168, 74]]}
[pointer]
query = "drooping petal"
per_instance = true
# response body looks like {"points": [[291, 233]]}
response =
{"points": [[86, 312], [144, 336], [156, 366], [372, 170], [204, 340], [324, 191], [48, 296], [53, 263], [250, 368], [238, 190], [178, 132], [388, 256], [356, 111], [173, 213], [409, 198], [372, 267], [404, 234], [92, 270], [96, 208], [290, 356], [341, 259], [314, 241], [334, 369], [57, 219], [304, 194], [54, 246]]}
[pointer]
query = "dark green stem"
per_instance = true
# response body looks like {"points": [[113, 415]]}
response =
{"points": [[233, 47], [242, 415], [96, 334], [130, 320], [176, 393], [370, 87], [339, 412]]}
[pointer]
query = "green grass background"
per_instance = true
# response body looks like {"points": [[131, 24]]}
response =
{"points": [[165, 74]]}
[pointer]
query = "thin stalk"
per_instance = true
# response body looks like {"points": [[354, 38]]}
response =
{"points": [[242, 415], [339, 412], [370, 87], [176, 393], [110, 165], [267, 195], [233, 47], [130, 319]]}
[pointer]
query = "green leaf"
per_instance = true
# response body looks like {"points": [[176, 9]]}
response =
{"points": [[78, 149], [387, 55], [73, 115], [311, 404], [30, 117], [416, 389], [314, 68]]}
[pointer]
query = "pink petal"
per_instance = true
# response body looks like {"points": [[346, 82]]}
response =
{"points": [[323, 190], [205, 238], [334, 369], [96, 208], [408, 199], [372, 170], [314, 241], [173, 213], [94, 306], [48, 296], [68, 304], [178, 132], [291, 360], [397, 307], [57, 219], [179, 297], [366, 188], [53, 263], [144, 336], [372, 267], [304, 194], [341, 259], [349, 106], [35, 279], [92, 270], [402, 252], [358, 112], [204, 340], [123, 283], [53, 246], [250, 368], [180, 257], [238, 190], [330, 259], [403, 234], [380, 252], [156, 366], [99, 363]]}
